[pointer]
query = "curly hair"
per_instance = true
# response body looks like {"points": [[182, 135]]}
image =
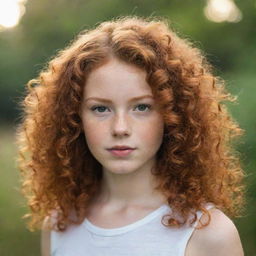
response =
{"points": [[196, 162]]}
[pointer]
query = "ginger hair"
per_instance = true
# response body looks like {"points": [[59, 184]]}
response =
{"points": [[197, 161]]}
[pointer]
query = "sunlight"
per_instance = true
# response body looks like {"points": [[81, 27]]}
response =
{"points": [[10, 12], [222, 10]]}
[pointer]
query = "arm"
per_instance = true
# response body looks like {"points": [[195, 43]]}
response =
{"points": [[220, 237], [45, 239]]}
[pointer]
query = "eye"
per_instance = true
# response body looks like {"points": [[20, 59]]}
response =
{"points": [[101, 107], [143, 106]]}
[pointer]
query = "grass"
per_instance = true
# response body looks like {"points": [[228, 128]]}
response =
{"points": [[15, 238]]}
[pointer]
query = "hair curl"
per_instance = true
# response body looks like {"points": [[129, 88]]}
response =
{"points": [[197, 161]]}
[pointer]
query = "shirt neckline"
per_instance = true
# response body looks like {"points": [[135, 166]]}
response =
{"points": [[116, 231]]}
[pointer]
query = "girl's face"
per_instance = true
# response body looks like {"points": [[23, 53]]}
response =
{"points": [[120, 119]]}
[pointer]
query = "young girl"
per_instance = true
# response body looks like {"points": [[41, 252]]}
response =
{"points": [[126, 147]]}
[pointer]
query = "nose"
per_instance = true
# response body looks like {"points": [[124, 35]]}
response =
{"points": [[121, 125]]}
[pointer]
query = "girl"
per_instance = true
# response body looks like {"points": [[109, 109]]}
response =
{"points": [[125, 147]]}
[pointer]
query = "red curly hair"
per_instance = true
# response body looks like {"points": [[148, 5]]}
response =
{"points": [[197, 161]]}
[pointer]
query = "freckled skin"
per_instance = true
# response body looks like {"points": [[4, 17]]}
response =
{"points": [[121, 122]]}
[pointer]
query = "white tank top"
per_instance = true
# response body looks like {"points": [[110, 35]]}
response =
{"points": [[145, 237]]}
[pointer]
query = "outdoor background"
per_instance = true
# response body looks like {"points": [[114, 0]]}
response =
{"points": [[225, 30]]}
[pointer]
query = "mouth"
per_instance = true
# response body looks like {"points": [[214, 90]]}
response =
{"points": [[124, 147], [121, 152]]}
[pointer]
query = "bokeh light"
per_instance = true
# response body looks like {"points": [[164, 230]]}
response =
{"points": [[10, 12], [222, 10]]}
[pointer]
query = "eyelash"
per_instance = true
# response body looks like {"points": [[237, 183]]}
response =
{"points": [[93, 108]]}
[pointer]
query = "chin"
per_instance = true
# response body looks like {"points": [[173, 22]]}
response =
{"points": [[121, 172], [120, 169]]}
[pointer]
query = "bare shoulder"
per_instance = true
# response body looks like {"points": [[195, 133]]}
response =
{"points": [[220, 237], [45, 238]]}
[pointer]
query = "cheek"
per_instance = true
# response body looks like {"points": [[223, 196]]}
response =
{"points": [[94, 133], [152, 132]]}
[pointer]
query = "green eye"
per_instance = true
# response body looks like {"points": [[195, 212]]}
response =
{"points": [[143, 106], [98, 107]]}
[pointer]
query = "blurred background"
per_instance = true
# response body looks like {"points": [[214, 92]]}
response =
{"points": [[31, 31]]}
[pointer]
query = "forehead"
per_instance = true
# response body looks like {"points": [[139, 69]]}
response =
{"points": [[117, 77]]}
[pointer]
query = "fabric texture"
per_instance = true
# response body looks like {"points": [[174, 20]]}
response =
{"points": [[145, 237]]}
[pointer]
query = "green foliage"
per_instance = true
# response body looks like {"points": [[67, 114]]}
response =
{"points": [[48, 26]]}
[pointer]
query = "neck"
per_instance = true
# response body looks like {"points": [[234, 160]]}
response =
{"points": [[130, 189]]}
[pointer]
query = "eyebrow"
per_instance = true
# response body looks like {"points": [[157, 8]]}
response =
{"points": [[109, 101]]}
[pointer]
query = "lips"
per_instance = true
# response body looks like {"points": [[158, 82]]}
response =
{"points": [[123, 147], [121, 152], [120, 148]]}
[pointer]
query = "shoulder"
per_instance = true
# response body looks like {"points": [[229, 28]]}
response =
{"points": [[220, 237], [45, 237]]}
